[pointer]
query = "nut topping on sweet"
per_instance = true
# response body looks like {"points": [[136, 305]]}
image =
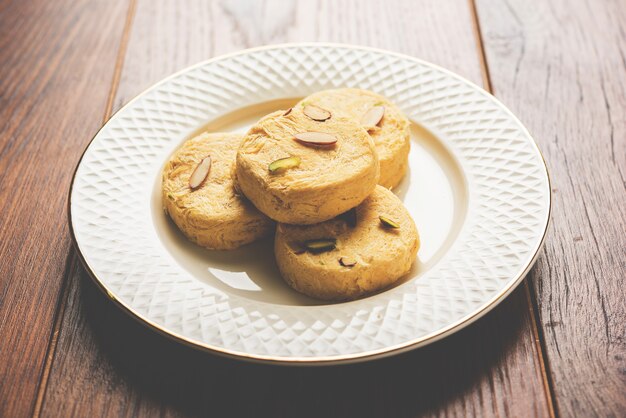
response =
{"points": [[320, 245], [373, 116], [316, 113], [316, 138], [389, 223], [284, 164], [200, 173]]}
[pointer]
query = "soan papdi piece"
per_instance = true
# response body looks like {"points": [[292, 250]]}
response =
{"points": [[199, 195], [385, 123], [335, 260], [337, 167]]}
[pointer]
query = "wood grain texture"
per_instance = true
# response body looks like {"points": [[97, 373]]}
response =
{"points": [[561, 67], [168, 36], [56, 64], [108, 365]]}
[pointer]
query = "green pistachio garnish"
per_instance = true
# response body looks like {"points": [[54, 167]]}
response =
{"points": [[284, 164], [389, 223], [320, 245]]}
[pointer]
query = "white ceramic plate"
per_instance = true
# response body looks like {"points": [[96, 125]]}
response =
{"points": [[478, 190]]}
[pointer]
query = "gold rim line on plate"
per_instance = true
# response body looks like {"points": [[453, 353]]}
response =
{"points": [[321, 360]]}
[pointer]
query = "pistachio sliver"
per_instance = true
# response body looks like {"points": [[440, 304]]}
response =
{"points": [[388, 223], [373, 116], [315, 138], [200, 173], [347, 262], [320, 245], [316, 113], [284, 164]]}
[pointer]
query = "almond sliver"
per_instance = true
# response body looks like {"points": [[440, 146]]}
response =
{"points": [[373, 116], [316, 138], [200, 173]]}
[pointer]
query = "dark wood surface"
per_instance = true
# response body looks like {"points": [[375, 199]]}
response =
{"points": [[56, 65], [561, 67], [554, 347]]}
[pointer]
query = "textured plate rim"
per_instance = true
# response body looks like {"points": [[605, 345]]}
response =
{"points": [[476, 314]]}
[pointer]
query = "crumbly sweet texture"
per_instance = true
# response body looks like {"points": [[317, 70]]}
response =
{"points": [[329, 180], [214, 215], [382, 254], [391, 137]]}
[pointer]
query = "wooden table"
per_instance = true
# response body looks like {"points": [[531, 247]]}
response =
{"points": [[556, 346]]}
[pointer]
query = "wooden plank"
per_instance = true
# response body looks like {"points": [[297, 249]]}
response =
{"points": [[561, 66], [167, 37], [57, 60], [106, 364]]}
